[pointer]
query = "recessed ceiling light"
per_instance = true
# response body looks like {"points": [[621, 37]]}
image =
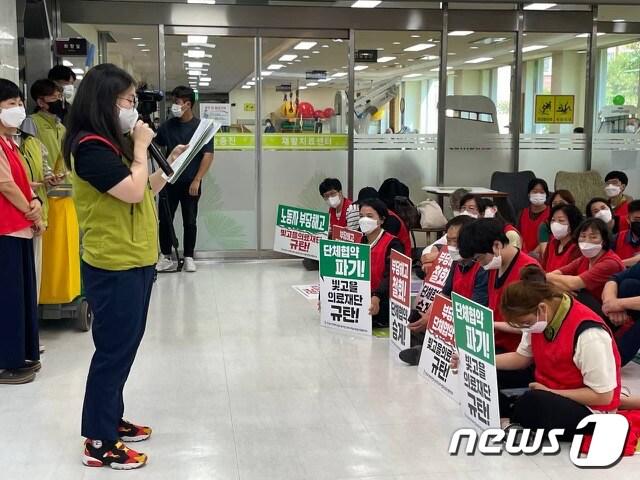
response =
{"points": [[479, 60], [396, 43], [245, 87], [195, 64], [136, 38], [288, 57], [430, 57], [415, 36], [145, 50], [289, 63], [437, 69], [204, 84], [366, 3], [359, 68], [197, 39], [533, 48], [452, 53], [297, 60], [339, 74], [251, 83], [585, 35], [461, 33], [206, 2], [316, 51], [419, 47], [324, 80], [385, 59], [67, 63], [581, 51], [267, 73], [618, 20], [312, 84], [275, 66], [337, 40], [306, 56], [195, 73], [302, 87], [474, 47], [380, 49], [195, 53], [411, 75], [540, 6], [325, 46], [410, 59], [305, 45], [205, 79], [141, 45]]}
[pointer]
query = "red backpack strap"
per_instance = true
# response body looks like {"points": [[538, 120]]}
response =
{"points": [[93, 137]]}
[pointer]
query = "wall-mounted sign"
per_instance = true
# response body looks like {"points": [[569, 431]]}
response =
{"points": [[220, 112], [285, 87], [249, 107], [71, 47], [555, 108], [366, 56], [316, 75]]}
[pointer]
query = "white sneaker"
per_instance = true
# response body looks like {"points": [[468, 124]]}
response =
{"points": [[189, 264], [165, 264]]}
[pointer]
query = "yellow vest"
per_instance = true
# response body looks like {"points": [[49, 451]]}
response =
{"points": [[51, 132], [31, 156], [115, 235]]}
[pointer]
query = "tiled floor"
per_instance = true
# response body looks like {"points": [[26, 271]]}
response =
{"points": [[240, 382]]}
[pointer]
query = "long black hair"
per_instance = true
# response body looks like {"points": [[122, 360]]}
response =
{"points": [[94, 108]]}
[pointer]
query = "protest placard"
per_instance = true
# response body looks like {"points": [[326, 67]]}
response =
{"points": [[298, 231], [399, 300]]}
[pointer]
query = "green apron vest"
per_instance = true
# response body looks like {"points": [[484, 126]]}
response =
{"points": [[51, 132], [31, 156]]}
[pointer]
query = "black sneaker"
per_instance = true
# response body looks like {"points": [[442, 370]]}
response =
{"points": [[115, 455], [411, 355], [31, 366], [16, 377]]}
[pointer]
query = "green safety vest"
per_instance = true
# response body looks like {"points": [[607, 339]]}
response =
{"points": [[115, 235], [51, 132], [31, 156]]}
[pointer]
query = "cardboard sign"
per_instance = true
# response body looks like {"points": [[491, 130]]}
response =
{"points": [[400, 301], [298, 231], [345, 286], [437, 349], [435, 280], [345, 234], [555, 108], [309, 292], [477, 368]]}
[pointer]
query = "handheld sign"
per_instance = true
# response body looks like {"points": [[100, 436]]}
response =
{"points": [[299, 230], [478, 379], [345, 234], [345, 286], [399, 300], [435, 280], [439, 342]]}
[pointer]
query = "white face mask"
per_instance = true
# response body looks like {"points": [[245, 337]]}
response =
{"points": [[12, 117], [333, 201], [494, 264], [590, 250], [68, 91], [457, 213], [559, 230], [455, 254], [537, 198], [469, 214], [490, 212], [537, 327], [127, 118], [367, 225], [176, 110], [612, 190], [604, 215]]}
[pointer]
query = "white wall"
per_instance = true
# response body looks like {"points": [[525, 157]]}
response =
{"points": [[8, 41]]}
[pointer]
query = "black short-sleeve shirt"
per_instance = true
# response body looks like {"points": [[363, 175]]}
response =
{"points": [[98, 164]]}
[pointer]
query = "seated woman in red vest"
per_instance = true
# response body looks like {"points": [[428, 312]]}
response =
{"points": [[484, 241], [577, 364], [615, 184], [563, 248], [593, 268], [331, 191], [559, 197], [627, 243], [535, 214], [373, 213], [599, 208], [491, 211]]}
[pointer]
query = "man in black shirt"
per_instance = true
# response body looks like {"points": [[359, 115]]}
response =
{"points": [[187, 189]]}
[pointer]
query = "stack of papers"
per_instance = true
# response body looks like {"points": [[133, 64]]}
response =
{"points": [[203, 135]]}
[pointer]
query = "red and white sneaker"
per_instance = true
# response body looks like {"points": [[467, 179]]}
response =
{"points": [[129, 432], [115, 455]]}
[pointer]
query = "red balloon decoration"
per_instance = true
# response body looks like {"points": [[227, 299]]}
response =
{"points": [[318, 114], [305, 110], [329, 112]]}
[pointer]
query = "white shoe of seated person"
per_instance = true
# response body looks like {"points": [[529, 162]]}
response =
{"points": [[165, 264], [189, 264]]}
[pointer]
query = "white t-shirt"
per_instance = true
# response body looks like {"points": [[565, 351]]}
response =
{"points": [[441, 241], [353, 216], [593, 356]]}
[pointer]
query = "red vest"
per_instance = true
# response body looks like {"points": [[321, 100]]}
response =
{"points": [[11, 219], [623, 248], [554, 360], [583, 266], [378, 259], [333, 217], [463, 282], [621, 211], [529, 228], [552, 260], [403, 234], [506, 341]]}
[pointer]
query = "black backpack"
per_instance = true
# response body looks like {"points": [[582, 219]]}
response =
{"points": [[407, 211]]}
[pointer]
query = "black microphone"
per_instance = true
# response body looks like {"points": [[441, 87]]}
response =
{"points": [[157, 155]]}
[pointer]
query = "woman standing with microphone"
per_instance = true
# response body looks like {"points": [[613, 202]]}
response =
{"points": [[106, 149]]}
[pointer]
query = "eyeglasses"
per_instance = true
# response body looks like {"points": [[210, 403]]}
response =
{"points": [[132, 101]]}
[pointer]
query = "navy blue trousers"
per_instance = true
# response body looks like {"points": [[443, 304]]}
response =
{"points": [[629, 343], [120, 301], [19, 339]]}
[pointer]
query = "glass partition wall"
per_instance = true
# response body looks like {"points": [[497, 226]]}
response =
{"points": [[290, 119]]}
